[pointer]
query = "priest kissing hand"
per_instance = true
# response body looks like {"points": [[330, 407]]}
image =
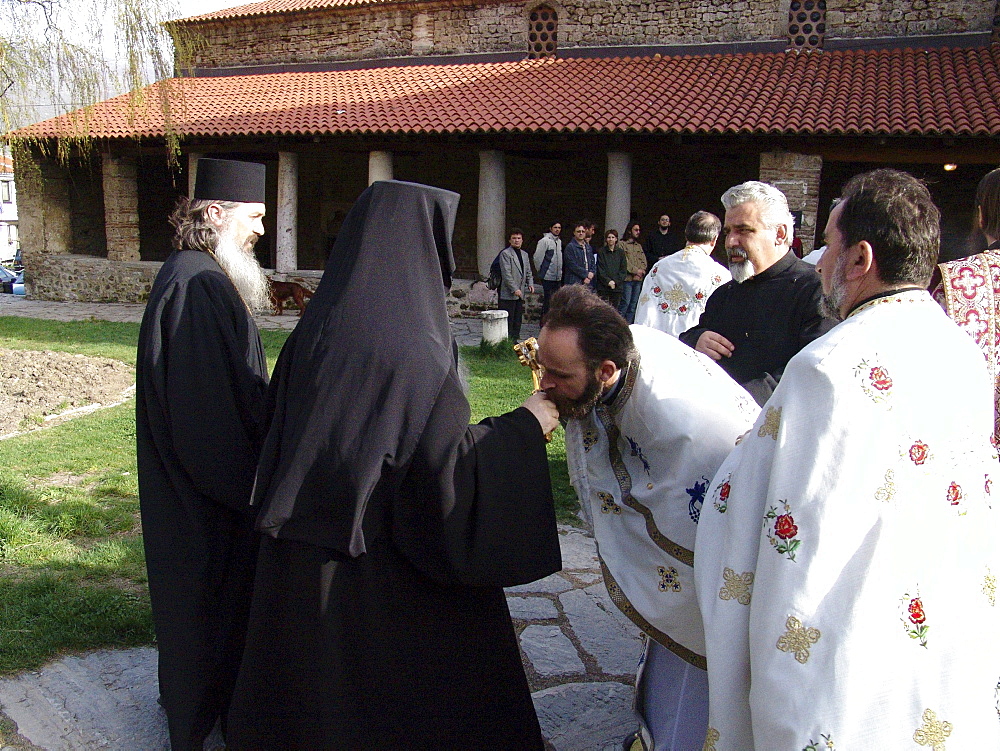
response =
{"points": [[544, 410], [714, 345]]}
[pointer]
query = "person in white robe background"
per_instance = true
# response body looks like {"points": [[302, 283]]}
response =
{"points": [[649, 422], [674, 293], [846, 558]]}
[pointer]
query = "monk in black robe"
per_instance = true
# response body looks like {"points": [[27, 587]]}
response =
{"points": [[391, 525], [201, 381]]}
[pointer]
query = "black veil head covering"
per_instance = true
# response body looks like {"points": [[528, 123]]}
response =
{"points": [[355, 382]]}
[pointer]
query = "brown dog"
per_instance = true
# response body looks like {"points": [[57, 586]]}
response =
{"points": [[282, 291]]}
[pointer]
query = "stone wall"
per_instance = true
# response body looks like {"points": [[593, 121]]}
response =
{"points": [[444, 28], [78, 278], [852, 19], [798, 177]]}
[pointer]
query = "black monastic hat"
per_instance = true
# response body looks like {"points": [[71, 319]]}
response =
{"points": [[230, 180]]}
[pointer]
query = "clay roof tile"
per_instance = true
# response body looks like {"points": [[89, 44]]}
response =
{"points": [[881, 92]]}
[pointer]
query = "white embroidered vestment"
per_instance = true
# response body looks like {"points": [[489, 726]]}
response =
{"points": [[846, 559], [674, 293], [641, 466]]}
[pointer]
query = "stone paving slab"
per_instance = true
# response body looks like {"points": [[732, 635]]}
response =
{"points": [[532, 608], [615, 647], [586, 716], [550, 652]]}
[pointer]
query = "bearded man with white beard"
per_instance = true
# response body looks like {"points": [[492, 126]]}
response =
{"points": [[201, 377], [754, 324]]}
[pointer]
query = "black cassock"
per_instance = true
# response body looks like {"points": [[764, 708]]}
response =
{"points": [[391, 525], [201, 378]]}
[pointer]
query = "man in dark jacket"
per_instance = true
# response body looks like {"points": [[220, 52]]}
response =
{"points": [[578, 261], [661, 242], [754, 324], [200, 383]]}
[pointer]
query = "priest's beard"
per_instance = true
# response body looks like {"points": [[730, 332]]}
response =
{"points": [[577, 409], [831, 304], [237, 260], [744, 269]]}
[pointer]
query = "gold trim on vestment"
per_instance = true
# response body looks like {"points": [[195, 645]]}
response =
{"points": [[606, 414], [621, 601]]}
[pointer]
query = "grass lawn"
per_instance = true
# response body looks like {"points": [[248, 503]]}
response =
{"points": [[72, 574]]}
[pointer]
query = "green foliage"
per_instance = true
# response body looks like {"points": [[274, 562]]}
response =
{"points": [[95, 338], [58, 56], [43, 615]]}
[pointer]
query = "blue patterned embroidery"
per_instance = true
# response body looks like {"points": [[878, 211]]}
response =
{"points": [[637, 451], [697, 494]]}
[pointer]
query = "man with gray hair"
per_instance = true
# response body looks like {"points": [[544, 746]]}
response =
{"points": [[754, 324], [200, 383]]}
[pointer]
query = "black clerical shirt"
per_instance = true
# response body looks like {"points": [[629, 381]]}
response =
{"points": [[768, 318]]}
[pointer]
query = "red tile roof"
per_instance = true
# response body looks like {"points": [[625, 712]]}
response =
{"points": [[885, 92], [6, 165], [272, 7]]}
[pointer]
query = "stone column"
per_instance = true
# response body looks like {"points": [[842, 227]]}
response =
{"points": [[286, 244], [43, 205], [492, 220], [379, 166], [193, 158], [121, 207], [618, 208], [797, 176]]}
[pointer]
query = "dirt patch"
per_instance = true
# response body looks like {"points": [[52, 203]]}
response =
{"points": [[35, 385]]}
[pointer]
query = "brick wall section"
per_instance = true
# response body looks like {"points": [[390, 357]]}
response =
{"points": [[439, 29], [852, 19], [121, 207], [797, 176]]}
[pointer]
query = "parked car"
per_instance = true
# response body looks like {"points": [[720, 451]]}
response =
{"points": [[18, 286], [7, 278]]}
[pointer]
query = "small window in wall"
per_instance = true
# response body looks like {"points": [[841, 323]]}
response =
{"points": [[542, 28], [5, 191], [806, 24]]}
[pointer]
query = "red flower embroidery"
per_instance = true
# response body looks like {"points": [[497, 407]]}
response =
{"points": [[988, 486], [954, 493], [916, 610], [918, 453], [656, 290], [682, 309], [724, 492], [880, 378], [654, 270], [664, 306], [784, 527], [698, 295]]}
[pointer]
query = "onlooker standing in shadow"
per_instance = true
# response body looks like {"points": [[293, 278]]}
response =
{"points": [[635, 260], [611, 269], [661, 242], [578, 261], [548, 263], [516, 282]]}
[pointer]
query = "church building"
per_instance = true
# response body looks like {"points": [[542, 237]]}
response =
{"points": [[535, 111]]}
